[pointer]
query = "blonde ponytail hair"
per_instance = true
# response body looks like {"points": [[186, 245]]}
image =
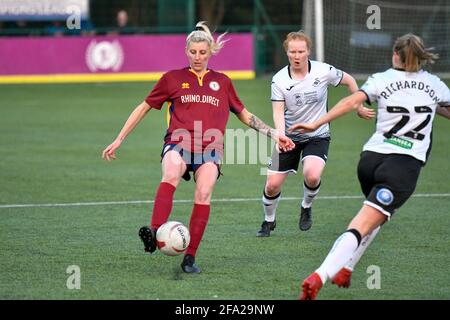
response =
{"points": [[202, 33], [412, 52]]}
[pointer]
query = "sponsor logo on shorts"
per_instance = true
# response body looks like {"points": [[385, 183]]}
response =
{"points": [[385, 196]]}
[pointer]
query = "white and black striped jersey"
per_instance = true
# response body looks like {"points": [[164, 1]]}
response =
{"points": [[305, 100], [407, 105]]}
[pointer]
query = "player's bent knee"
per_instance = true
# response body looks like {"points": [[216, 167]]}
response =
{"points": [[171, 178], [312, 180], [272, 189], [202, 195]]}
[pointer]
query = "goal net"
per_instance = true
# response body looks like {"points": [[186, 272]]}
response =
{"points": [[359, 34]]}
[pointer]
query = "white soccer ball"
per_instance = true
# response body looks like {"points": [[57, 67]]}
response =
{"points": [[172, 238]]}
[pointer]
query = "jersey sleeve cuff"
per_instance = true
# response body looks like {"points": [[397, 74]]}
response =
{"points": [[367, 97], [339, 82]]}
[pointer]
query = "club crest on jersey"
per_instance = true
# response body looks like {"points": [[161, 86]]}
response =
{"points": [[214, 85], [185, 85], [316, 82], [385, 196], [298, 99]]}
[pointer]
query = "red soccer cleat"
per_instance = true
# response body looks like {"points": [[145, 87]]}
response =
{"points": [[311, 287], [343, 278]]}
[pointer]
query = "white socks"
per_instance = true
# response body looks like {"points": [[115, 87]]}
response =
{"points": [[270, 205], [365, 242], [339, 255], [309, 195]]}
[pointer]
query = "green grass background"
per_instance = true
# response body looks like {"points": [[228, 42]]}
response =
{"points": [[51, 138]]}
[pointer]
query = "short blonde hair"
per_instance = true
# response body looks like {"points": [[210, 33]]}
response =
{"points": [[412, 52], [297, 35], [202, 33]]}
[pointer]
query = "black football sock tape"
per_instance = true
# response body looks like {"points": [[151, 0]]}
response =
{"points": [[271, 198], [356, 234]]}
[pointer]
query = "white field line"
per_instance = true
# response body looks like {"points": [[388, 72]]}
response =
{"points": [[113, 203]]}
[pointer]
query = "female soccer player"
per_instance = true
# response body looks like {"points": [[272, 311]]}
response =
{"points": [[200, 100], [391, 160], [299, 94]]}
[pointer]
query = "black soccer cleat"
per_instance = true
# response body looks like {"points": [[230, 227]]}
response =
{"points": [[266, 227], [305, 221], [188, 265], [148, 237]]}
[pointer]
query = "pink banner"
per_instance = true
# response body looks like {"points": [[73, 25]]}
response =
{"points": [[114, 54]]}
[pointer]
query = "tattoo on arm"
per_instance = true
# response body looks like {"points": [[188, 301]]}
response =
{"points": [[260, 126]]}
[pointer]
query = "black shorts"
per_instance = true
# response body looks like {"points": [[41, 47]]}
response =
{"points": [[387, 180], [194, 160], [287, 162]]}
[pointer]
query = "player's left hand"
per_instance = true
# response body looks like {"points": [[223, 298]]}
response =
{"points": [[365, 113], [303, 127], [110, 152]]}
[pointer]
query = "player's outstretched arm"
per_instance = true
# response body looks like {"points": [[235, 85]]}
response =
{"points": [[248, 118], [341, 108], [138, 113], [361, 110]]}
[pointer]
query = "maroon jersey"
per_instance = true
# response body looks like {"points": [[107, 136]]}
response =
{"points": [[199, 107]]}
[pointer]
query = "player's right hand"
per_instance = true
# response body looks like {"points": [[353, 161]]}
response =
{"points": [[285, 144]]}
